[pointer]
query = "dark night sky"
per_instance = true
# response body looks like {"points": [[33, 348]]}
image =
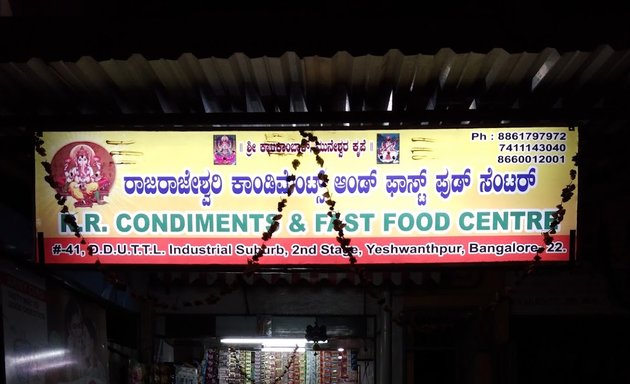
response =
{"points": [[68, 29]]}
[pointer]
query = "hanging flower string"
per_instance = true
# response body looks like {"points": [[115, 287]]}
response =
{"points": [[70, 219], [558, 216], [310, 142], [338, 225]]}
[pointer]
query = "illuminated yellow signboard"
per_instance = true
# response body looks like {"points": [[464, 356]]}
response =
{"points": [[407, 196]]}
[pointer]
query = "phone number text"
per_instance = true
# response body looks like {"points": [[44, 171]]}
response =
{"points": [[531, 159], [536, 147], [532, 136]]}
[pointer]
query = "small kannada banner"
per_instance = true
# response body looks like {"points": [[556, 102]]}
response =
{"points": [[407, 196]]}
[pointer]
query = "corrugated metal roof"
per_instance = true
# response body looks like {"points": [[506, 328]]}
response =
{"points": [[190, 86]]}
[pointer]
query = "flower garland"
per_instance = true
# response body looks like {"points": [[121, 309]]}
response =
{"points": [[558, 216], [338, 224], [311, 142], [71, 221], [344, 242]]}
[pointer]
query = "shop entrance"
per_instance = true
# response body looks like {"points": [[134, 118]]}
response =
{"points": [[265, 349]]}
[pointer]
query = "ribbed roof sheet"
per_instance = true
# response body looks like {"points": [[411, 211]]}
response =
{"points": [[200, 86]]}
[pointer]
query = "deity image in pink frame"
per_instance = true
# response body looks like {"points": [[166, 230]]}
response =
{"points": [[224, 149], [387, 148]]}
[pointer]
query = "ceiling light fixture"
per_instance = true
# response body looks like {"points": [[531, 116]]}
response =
{"points": [[265, 341], [269, 342]]}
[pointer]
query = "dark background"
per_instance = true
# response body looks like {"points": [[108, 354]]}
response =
{"points": [[68, 29]]}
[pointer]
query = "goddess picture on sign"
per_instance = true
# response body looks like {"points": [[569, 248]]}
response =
{"points": [[387, 148], [80, 172], [224, 149]]}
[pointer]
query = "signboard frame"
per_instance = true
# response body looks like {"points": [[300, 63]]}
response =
{"points": [[494, 192]]}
